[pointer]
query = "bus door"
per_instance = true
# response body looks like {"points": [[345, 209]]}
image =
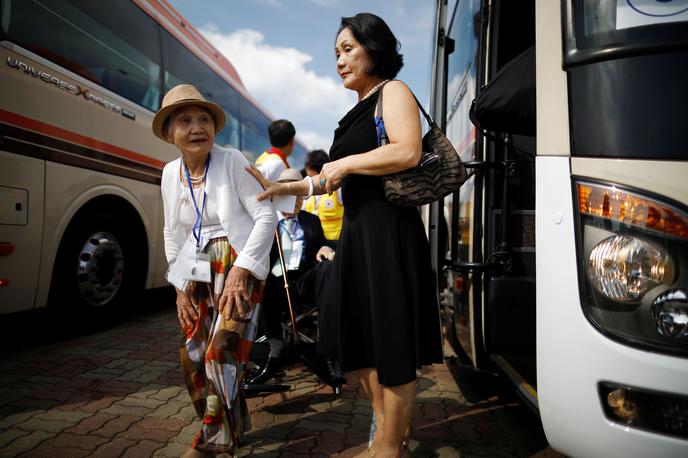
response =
{"points": [[459, 250], [506, 107], [491, 218]]}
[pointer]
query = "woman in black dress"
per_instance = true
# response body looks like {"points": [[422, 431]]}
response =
{"points": [[381, 289]]}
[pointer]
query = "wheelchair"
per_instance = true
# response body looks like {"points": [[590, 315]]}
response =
{"points": [[299, 328]]}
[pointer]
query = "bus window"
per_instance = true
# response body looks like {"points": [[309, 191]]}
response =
{"points": [[627, 67], [604, 22], [462, 74], [298, 156], [461, 77], [254, 131], [462, 80], [115, 47], [181, 66]]}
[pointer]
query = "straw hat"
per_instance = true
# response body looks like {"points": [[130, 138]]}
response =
{"points": [[184, 95], [289, 175]]}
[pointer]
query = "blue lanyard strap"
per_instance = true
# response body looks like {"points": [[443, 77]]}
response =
{"points": [[199, 213], [381, 132]]}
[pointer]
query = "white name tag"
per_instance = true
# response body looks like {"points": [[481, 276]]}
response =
{"points": [[189, 266], [196, 267]]}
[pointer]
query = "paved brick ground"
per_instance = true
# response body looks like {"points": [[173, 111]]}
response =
{"points": [[120, 393]]}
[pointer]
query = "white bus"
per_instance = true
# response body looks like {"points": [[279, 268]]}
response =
{"points": [[80, 206], [567, 249]]}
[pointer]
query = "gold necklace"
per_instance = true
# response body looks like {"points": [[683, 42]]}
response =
{"points": [[377, 86]]}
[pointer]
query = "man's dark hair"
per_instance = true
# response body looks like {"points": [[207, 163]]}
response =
{"points": [[316, 159], [281, 132], [379, 42]]}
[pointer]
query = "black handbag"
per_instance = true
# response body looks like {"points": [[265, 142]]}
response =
{"points": [[439, 172]]}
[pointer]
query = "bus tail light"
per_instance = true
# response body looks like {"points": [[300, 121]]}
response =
{"points": [[4, 282], [633, 266]]}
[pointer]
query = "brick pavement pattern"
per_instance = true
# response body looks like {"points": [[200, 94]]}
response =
{"points": [[120, 393]]}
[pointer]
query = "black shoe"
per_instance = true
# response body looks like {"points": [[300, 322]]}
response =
{"points": [[252, 391], [267, 372]]}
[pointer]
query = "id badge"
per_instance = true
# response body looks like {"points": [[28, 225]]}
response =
{"points": [[197, 268], [295, 255]]}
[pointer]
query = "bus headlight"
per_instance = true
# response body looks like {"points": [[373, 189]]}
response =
{"points": [[670, 313], [624, 268], [633, 266]]}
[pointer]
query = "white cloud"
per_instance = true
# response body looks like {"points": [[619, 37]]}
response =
{"points": [[315, 140], [279, 78]]}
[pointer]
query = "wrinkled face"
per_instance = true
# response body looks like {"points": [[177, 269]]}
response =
{"points": [[192, 130], [353, 61]]}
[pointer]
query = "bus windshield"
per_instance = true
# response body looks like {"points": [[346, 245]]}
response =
{"points": [[627, 64]]}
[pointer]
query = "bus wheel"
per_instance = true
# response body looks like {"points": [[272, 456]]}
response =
{"points": [[95, 268], [100, 269]]}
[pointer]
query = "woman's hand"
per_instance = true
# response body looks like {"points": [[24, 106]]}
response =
{"points": [[323, 253], [234, 292], [272, 188], [333, 173], [185, 309]]}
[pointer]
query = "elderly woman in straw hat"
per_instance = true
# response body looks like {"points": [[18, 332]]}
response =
{"points": [[217, 242]]}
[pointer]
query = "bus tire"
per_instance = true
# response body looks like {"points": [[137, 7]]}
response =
{"points": [[95, 268]]}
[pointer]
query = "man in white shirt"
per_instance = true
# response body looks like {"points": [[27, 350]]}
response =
{"points": [[274, 161]]}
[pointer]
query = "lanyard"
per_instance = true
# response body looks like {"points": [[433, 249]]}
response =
{"points": [[290, 227], [199, 213]]}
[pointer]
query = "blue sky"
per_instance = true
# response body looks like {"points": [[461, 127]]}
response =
{"points": [[284, 52]]}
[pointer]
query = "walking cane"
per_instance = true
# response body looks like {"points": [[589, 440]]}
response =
{"points": [[286, 284]]}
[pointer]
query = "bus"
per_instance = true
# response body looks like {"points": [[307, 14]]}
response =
{"points": [[80, 205], [567, 249]]}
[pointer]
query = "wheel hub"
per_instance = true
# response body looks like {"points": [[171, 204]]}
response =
{"points": [[100, 269]]}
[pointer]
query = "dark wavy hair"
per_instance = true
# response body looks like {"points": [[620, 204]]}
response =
{"points": [[379, 42]]}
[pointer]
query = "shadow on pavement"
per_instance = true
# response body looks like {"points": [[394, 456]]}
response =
{"points": [[446, 421], [53, 323]]}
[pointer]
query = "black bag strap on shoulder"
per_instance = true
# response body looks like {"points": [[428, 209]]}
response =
{"points": [[378, 108]]}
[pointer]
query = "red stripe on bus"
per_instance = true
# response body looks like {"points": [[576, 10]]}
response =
{"points": [[54, 131]]}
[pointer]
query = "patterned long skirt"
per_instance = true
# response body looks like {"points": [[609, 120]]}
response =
{"points": [[214, 352]]}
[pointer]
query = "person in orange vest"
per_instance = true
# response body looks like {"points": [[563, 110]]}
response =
{"points": [[274, 161], [329, 208]]}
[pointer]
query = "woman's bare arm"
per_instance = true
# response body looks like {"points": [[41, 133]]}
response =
{"points": [[294, 188]]}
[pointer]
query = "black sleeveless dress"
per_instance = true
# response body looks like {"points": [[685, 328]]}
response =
{"points": [[381, 310]]}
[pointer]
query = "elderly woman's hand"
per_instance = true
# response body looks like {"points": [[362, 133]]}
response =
{"points": [[334, 173], [272, 188], [234, 292], [323, 253], [185, 309]]}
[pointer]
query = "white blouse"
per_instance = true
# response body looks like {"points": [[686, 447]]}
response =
{"points": [[211, 227], [232, 196]]}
